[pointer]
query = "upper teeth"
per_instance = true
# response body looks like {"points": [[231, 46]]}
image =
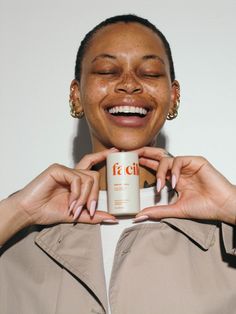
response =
{"points": [[127, 109]]}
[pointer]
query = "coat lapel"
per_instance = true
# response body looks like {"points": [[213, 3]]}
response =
{"points": [[200, 231], [77, 247]]}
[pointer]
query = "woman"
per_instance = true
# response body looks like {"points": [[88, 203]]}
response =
{"points": [[125, 86]]}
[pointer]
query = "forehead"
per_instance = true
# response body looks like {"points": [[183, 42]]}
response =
{"points": [[125, 38]]}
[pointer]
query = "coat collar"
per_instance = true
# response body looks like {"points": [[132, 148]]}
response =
{"points": [[77, 247], [200, 231]]}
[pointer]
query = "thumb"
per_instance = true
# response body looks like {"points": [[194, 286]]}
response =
{"points": [[160, 212], [99, 217]]}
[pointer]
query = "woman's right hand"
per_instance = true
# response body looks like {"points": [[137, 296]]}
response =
{"points": [[60, 193]]}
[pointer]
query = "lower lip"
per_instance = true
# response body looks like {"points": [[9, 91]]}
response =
{"points": [[128, 121]]}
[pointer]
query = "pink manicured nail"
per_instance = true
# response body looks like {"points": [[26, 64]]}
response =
{"points": [[111, 221], [158, 185], [114, 149], [173, 181], [92, 208], [140, 218], [77, 212], [71, 207]]}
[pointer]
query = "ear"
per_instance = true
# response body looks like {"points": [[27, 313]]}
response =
{"points": [[174, 105], [175, 95], [75, 96]]}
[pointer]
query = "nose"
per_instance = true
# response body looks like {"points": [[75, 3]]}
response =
{"points": [[129, 85]]}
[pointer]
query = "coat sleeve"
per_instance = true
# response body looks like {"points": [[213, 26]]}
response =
{"points": [[229, 238]]}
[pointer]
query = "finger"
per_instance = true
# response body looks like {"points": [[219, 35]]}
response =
{"points": [[159, 212], [178, 164], [75, 192], [188, 164], [152, 153], [163, 172], [194, 163], [92, 159], [60, 174], [65, 177], [86, 187], [99, 217], [152, 164], [93, 195]]}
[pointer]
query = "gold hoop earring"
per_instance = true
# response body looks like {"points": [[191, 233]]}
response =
{"points": [[74, 113], [174, 111]]}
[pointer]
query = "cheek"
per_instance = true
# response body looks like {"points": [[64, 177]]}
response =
{"points": [[93, 91], [98, 86], [161, 94]]}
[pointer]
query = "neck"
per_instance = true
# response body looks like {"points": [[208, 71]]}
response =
{"points": [[147, 177]]}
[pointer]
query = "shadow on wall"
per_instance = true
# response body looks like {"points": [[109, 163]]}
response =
{"points": [[82, 143]]}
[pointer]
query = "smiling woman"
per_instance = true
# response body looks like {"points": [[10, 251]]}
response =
{"points": [[125, 87]]}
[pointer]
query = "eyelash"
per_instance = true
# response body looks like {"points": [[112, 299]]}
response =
{"points": [[152, 75], [106, 72], [116, 73]]}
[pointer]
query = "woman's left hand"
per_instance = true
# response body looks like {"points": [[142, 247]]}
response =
{"points": [[203, 192]]}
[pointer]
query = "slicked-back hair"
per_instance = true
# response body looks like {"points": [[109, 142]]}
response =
{"points": [[128, 18]]}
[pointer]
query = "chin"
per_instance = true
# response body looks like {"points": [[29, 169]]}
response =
{"points": [[128, 145]]}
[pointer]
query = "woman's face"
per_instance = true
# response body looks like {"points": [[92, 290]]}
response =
{"points": [[125, 88]]}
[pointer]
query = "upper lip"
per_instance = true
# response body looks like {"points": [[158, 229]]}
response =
{"points": [[132, 102]]}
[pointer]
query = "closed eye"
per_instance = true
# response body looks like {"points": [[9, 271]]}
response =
{"points": [[151, 75], [106, 72]]}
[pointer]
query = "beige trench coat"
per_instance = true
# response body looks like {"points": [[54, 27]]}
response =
{"points": [[172, 267]]}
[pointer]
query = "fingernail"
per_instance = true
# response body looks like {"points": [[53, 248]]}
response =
{"points": [[114, 149], [158, 185], [111, 221], [77, 212], [173, 181], [92, 208], [71, 207], [141, 218]]}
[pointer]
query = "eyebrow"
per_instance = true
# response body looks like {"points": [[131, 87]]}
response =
{"points": [[146, 57], [104, 55], [155, 57]]}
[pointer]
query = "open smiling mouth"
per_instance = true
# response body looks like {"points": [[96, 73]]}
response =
{"points": [[129, 116], [128, 111]]}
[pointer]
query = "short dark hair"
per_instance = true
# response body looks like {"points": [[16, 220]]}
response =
{"points": [[127, 18]]}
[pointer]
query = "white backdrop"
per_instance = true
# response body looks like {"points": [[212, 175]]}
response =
{"points": [[38, 44]]}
